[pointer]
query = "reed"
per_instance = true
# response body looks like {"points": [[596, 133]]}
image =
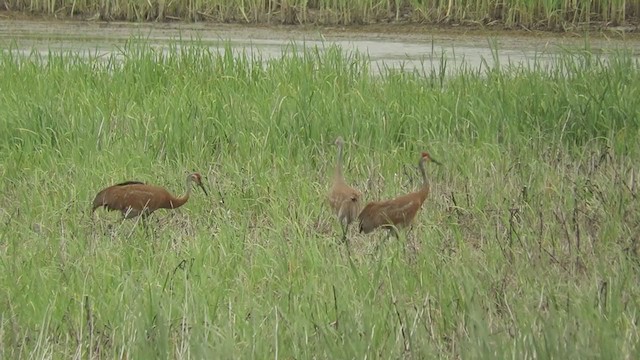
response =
{"points": [[544, 14]]}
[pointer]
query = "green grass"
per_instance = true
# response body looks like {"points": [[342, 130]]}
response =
{"points": [[527, 246], [546, 14]]}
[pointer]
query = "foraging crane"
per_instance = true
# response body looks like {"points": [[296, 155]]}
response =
{"points": [[344, 200], [134, 198], [399, 212]]}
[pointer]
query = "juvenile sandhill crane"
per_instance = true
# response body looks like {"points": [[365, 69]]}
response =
{"points": [[134, 198], [398, 212], [344, 200]]}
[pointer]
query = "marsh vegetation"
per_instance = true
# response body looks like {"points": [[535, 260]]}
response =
{"points": [[526, 247]]}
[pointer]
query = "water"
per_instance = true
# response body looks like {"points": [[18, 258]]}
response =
{"points": [[407, 48]]}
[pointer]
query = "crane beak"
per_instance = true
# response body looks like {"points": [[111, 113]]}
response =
{"points": [[435, 161], [203, 189]]}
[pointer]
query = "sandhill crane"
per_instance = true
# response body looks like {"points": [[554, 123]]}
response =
{"points": [[344, 200], [398, 212], [134, 198]]}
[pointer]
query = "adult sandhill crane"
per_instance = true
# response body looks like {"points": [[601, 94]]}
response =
{"points": [[398, 212], [134, 198], [344, 200]]}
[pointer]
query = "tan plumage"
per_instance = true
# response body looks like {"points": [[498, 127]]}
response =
{"points": [[398, 212], [134, 198], [344, 200]]}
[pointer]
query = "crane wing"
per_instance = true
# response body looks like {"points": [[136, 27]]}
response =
{"points": [[397, 212], [129, 183], [345, 202], [126, 196]]}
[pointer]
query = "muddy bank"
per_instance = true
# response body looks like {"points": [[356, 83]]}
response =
{"points": [[389, 29]]}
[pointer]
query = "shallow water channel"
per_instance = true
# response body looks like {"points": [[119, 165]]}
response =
{"points": [[388, 46]]}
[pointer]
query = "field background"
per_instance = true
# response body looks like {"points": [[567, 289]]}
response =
{"points": [[538, 14], [527, 247]]}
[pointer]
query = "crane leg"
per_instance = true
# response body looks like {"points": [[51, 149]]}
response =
{"points": [[145, 225], [386, 238], [345, 240], [377, 247], [392, 231], [411, 241]]}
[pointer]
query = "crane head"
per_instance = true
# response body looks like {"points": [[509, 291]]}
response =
{"points": [[339, 141], [197, 179], [427, 157]]}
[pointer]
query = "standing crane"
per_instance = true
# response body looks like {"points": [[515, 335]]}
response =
{"points": [[134, 198], [344, 200], [399, 212]]}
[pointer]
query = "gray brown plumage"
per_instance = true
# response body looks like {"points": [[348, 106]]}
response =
{"points": [[398, 212], [134, 198], [344, 200]]}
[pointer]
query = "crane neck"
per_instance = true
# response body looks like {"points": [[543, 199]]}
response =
{"points": [[187, 191], [179, 201], [425, 180]]}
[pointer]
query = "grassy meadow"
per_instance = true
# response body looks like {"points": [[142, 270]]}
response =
{"points": [[545, 14], [526, 248]]}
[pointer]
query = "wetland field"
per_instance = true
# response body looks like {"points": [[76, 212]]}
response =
{"points": [[527, 247]]}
